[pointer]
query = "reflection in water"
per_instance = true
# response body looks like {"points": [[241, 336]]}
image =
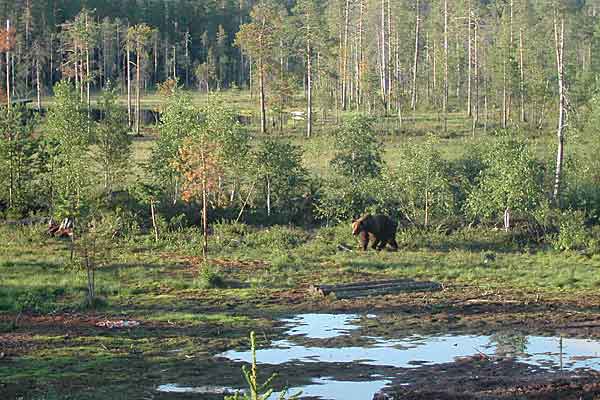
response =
{"points": [[315, 326], [398, 353], [509, 344], [409, 352], [304, 331], [174, 388], [328, 388]]}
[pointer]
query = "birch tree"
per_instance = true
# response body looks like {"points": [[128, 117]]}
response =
{"points": [[311, 28], [138, 37], [559, 45], [258, 39]]}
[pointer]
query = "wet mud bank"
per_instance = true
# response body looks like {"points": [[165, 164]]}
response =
{"points": [[342, 356], [460, 343]]}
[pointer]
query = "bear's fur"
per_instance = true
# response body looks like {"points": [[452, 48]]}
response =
{"points": [[380, 229]]}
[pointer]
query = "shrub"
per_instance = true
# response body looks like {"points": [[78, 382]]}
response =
{"points": [[257, 390], [511, 182], [357, 149], [341, 199], [210, 277], [422, 175], [572, 233]]}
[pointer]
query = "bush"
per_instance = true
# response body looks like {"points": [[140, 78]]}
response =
{"points": [[510, 182], [37, 300], [357, 149], [210, 277], [422, 177], [572, 233], [341, 199]]}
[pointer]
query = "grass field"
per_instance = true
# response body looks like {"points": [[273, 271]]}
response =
{"points": [[51, 346], [54, 349]]}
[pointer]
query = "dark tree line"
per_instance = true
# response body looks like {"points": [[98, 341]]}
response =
{"points": [[495, 60], [188, 34]]}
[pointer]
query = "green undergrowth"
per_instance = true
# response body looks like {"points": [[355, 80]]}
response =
{"points": [[190, 310], [249, 260]]}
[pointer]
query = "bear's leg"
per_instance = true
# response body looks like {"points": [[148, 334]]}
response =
{"points": [[375, 245], [394, 244], [364, 240], [381, 245]]}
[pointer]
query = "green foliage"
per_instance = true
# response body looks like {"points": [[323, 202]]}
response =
{"points": [[572, 232], [279, 173], [22, 162], [206, 73], [592, 122], [581, 189], [94, 245], [257, 390], [37, 301], [210, 277], [357, 149], [220, 124], [423, 179], [112, 143], [341, 199], [275, 238], [511, 179], [69, 135], [258, 37], [179, 121]]}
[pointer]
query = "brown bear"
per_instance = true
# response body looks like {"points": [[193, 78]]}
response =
{"points": [[381, 229]]}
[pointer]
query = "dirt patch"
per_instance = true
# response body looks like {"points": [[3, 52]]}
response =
{"points": [[480, 378], [455, 309]]}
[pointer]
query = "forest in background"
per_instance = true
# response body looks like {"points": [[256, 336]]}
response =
{"points": [[515, 70], [473, 124], [491, 59]]}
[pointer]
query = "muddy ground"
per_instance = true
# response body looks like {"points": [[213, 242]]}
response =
{"points": [[149, 354]]}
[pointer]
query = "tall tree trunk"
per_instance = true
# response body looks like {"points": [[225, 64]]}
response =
{"points": [[309, 86], [51, 61], [8, 101], [445, 95], [204, 220], [458, 69], [155, 56], [470, 61], [359, 66], [384, 58], [477, 78], [153, 215], [504, 94], [204, 206], [510, 55], [138, 76], [413, 100], [268, 197], [87, 71], [38, 84], [261, 84], [128, 72], [345, 55], [559, 39], [428, 65], [522, 73], [389, 81]]}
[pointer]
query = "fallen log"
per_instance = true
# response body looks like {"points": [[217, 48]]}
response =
{"points": [[375, 288]]}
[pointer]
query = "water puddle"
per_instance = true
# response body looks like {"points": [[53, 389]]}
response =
{"points": [[174, 388], [315, 326], [329, 388], [340, 344]]}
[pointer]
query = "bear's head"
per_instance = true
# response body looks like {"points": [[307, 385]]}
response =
{"points": [[358, 225]]}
